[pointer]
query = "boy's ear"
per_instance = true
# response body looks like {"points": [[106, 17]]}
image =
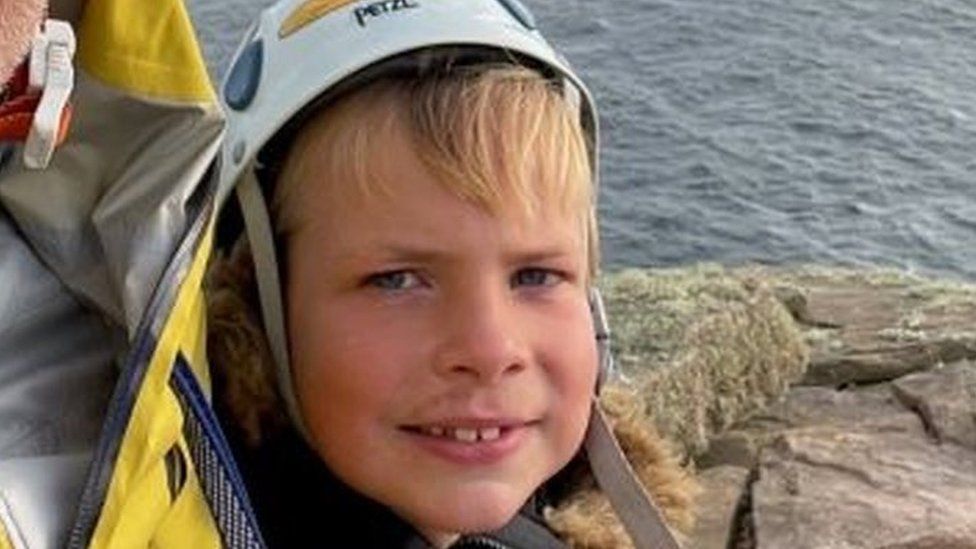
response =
{"points": [[601, 330]]}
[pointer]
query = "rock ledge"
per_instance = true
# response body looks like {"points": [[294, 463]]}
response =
{"points": [[835, 407]]}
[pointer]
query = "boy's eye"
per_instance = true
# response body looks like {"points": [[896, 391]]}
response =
{"points": [[394, 280], [535, 276]]}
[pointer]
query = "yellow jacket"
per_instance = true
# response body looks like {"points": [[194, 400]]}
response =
{"points": [[121, 221]]}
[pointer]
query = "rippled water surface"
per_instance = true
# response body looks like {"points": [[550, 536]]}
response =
{"points": [[779, 131]]}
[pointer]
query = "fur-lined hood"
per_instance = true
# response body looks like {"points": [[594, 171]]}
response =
{"points": [[586, 520], [244, 385]]}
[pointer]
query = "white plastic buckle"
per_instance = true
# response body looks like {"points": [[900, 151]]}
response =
{"points": [[50, 72], [601, 328]]}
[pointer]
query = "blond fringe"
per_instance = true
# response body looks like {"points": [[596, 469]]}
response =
{"points": [[586, 520], [501, 137]]}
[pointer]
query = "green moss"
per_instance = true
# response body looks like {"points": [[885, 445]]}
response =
{"points": [[708, 347]]}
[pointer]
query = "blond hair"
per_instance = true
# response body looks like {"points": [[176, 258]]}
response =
{"points": [[502, 137], [499, 136]]}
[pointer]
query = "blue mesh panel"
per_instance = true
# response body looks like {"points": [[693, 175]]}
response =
{"points": [[215, 465]]}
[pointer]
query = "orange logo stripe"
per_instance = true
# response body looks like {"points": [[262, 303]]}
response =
{"points": [[307, 13]]}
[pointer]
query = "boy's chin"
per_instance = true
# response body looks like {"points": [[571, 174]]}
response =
{"points": [[467, 511]]}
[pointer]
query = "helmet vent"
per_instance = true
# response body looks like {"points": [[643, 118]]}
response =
{"points": [[519, 12], [244, 77]]}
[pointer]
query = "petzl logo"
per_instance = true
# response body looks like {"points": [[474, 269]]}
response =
{"points": [[378, 9]]}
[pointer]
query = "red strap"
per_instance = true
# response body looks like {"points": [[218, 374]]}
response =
{"points": [[19, 80]]}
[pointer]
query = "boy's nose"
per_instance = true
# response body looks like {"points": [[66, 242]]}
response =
{"points": [[482, 338]]}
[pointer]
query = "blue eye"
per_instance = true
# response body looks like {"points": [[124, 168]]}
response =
{"points": [[394, 280], [535, 276]]}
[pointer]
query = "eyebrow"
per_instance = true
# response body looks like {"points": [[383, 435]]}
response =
{"points": [[425, 254]]}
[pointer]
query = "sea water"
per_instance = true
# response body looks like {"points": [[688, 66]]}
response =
{"points": [[772, 131]]}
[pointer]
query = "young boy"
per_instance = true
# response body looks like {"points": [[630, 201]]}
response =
{"points": [[432, 213]]}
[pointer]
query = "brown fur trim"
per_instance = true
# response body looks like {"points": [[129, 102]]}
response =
{"points": [[585, 518], [238, 349]]}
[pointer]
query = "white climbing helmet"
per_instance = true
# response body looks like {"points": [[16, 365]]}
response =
{"points": [[299, 53], [299, 50]]}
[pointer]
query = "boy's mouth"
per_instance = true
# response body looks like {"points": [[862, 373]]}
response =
{"points": [[467, 433], [473, 442], [460, 434]]}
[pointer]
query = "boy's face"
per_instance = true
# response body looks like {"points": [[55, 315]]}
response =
{"points": [[444, 357]]}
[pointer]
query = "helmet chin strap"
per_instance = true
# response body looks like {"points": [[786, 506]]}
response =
{"points": [[640, 517], [630, 501], [613, 473], [260, 236]]}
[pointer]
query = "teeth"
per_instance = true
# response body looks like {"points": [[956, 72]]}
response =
{"points": [[466, 435], [463, 434]]}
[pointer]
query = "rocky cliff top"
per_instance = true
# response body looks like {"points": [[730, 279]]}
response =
{"points": [[822, 407]]}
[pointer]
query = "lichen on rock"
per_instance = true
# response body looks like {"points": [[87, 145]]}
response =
{"points": [[705, 346]]}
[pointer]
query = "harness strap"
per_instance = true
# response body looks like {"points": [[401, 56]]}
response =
{"points": [[635, 508]]}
